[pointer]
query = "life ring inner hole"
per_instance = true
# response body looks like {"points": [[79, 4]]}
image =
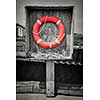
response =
{"points": [[48, 31]]}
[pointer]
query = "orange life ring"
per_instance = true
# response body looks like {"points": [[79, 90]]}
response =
{"points": [[37, 38]]}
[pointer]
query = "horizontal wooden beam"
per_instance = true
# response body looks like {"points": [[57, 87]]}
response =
{"points": [[48, 7]]}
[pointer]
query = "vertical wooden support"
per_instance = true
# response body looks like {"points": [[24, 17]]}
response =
{"points": [[50, 91]]}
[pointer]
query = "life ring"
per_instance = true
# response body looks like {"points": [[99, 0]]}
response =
{"points": [[37, 38]]}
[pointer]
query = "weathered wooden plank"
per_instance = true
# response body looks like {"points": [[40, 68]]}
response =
{"points": [[50, 91], [39, 87], [30, 87], [71, 92]]}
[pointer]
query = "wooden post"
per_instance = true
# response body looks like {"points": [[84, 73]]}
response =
{"points": [[50, 88]]}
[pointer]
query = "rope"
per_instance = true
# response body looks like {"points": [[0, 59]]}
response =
{"points": [[43, 24]]}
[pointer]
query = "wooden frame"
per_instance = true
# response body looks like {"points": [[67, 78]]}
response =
{"points": [[68, 37]]}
